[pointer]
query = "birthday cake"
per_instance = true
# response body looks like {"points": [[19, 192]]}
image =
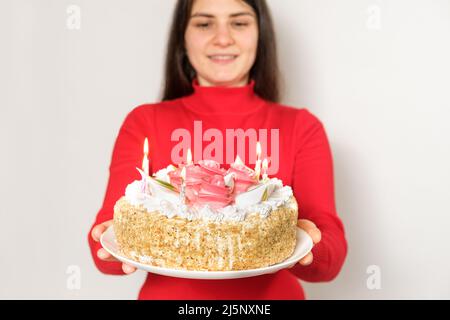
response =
{"points": [[205, 218]]}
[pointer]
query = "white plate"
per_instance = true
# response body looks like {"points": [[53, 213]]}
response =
{"points": [[304, 245]]}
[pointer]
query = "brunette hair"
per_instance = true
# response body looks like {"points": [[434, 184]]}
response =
{"points": [[179, 72]]}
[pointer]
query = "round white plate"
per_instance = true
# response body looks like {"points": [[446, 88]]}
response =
{"points": [[304, 245]]}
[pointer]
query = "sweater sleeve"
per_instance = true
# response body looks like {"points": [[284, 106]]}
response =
{"points": [[126, 156], [313, 187]]}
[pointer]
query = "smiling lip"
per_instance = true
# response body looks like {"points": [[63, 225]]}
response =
{"points": [[223, 58]]}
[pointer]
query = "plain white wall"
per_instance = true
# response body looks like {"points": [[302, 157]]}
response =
{"points": [[375, 72]]}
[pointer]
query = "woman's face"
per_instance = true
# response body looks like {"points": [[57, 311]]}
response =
{"points": [[221, 40]]}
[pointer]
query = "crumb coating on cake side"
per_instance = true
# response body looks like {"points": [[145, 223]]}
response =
{"points": [[153, 238]]}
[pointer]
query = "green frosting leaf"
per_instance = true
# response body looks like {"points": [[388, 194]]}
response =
{"points": [[265, 195], [165, 184]]}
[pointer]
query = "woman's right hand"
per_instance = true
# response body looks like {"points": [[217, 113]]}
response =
{"points": [[104, 255]]}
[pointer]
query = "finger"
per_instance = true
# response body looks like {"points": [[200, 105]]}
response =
{"points": [[306, 224], [306, 260], [98, 230], [315, 235], [105, 255], [127, 268], [107, 223]]}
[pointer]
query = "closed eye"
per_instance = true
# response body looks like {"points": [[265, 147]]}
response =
{"points": [[241, 24], [202, 25]]}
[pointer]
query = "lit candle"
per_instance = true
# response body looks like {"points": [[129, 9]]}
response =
{"points": [[258, 161], [145, 161], [265, 167], [189, 157]]}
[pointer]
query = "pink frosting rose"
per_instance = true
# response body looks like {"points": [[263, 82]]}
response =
{"points": [[214, 192], [205, 184], [211, 167], [194, 179], [244, 178]]}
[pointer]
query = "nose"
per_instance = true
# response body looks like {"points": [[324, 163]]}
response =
{"points": [[223, 36]]}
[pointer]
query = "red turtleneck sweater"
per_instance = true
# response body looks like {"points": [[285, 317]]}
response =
{"points": [[305, 163]]}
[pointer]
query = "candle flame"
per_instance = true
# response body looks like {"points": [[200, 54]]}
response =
{"points": [[258, 150], [189, 156], [145, 162], [146, 146]]}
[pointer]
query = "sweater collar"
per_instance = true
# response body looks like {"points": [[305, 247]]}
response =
{"points": [[223, 100]]}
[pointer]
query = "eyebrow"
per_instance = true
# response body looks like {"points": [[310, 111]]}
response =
{"points": [[233, 15]]}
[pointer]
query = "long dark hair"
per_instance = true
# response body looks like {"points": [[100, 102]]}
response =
{"points": [[179, 72]]}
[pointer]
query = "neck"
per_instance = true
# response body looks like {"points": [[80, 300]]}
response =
{"points": [[239, 83], [223, 99]]}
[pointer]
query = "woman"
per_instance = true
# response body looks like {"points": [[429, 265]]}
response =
{"points": [[221, 69]]}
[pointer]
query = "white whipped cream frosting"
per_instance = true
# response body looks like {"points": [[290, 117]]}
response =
{"points": [[139, 192]]}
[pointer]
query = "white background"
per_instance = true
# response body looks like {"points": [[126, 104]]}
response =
{"points": [[375, 72]]}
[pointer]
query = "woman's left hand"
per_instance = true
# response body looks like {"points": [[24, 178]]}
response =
{"points": [[315, 235]]}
